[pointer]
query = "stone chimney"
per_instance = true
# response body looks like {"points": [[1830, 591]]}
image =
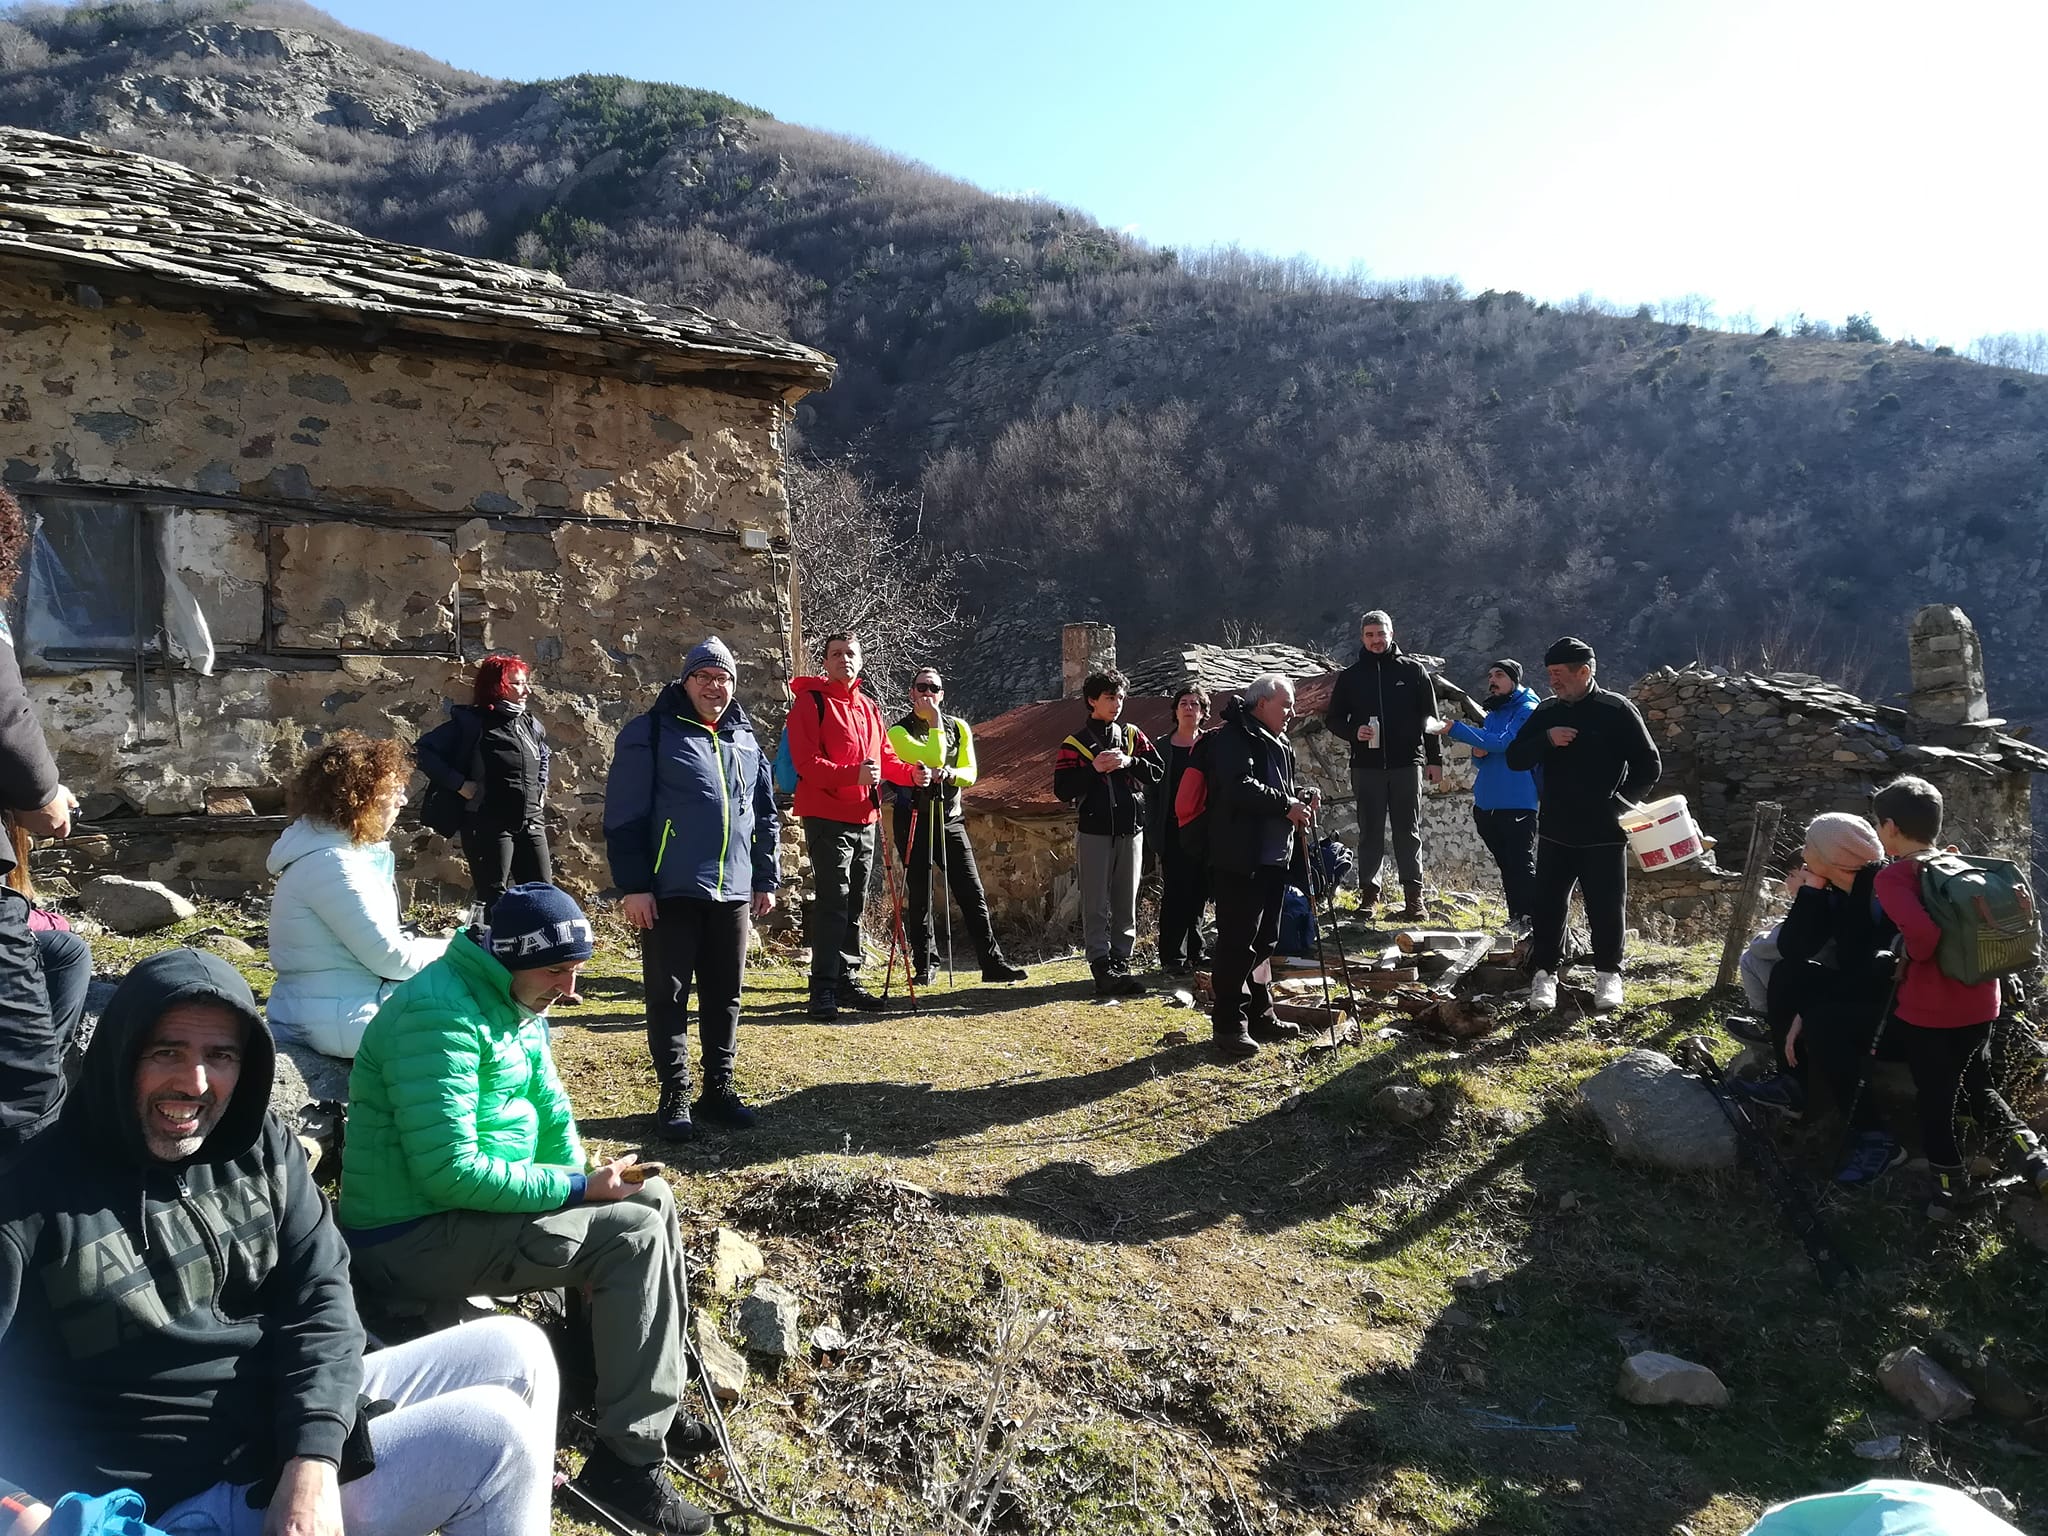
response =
{"points": [[1948, 667], [1084, 648]]}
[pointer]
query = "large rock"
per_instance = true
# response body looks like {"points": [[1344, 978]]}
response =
{"points": [[734, 1261], [303, 1076], [725, 1368], [1657, 1380], [134, 906], [1655, 1112], [1924, 1385], [768, 1320], [1403, 1105]]}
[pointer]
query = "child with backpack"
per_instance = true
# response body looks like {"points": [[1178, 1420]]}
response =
{"points": [[1948, 996]]}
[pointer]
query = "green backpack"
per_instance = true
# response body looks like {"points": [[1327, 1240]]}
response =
{"points": [[1985, 910]]}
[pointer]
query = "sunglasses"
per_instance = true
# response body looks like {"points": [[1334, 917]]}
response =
{"points": [[927, 687]]}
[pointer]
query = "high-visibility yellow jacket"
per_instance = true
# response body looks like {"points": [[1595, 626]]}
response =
{"points": [[948, 750]]}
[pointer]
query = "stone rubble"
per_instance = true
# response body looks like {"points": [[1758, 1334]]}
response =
{"points": [[1912, 1377], [1653, 1379]]}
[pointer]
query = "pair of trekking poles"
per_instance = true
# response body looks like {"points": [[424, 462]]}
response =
{"points": [[937, 867]]}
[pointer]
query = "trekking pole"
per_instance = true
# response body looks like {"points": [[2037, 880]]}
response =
{"points": [[898, 941], [1330, 909], [945, 897], [1314, 891]]}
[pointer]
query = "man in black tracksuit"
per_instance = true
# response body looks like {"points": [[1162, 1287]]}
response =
{"points": [[1380, 705], [1597, 760], [1255, 806]]}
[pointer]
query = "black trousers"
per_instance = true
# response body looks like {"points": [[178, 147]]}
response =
{"points": [[1383, 795], [704, 942], [505, 857], [954, 859], [67, 974], [1601, 874], [31, 1044], [1183, 893], [1837, 1013], [1951, 1071], [842, 859], [1247, 931], [1510, 836]]}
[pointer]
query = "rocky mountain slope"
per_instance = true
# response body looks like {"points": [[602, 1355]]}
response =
{"points": [[1197, 447]]}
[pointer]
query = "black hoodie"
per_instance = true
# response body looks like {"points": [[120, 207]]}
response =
{"points": [[165, 1327]]}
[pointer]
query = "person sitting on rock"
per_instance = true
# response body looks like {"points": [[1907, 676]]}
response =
{"points": [[463, 1173], [336, 941], [176, 1319]]}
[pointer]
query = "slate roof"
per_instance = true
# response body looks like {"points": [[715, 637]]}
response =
{"points": [[127, 223], [1222, 668]]}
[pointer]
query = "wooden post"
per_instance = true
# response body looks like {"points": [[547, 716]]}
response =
{"points": [[1763, 832]]}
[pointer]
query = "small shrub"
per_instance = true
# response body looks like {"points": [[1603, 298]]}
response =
{"points": [[1759, 359], [1888, 402], [2011, 389], [1944, 351]]}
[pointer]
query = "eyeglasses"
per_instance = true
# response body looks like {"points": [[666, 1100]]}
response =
{"points": [[927, 687]]}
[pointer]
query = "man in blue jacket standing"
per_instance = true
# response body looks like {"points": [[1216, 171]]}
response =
{"points": [[692, 835], [1503, 799]]}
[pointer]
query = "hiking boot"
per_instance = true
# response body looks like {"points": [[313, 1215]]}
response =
{"points": [[642, 1499], [721, 1106], [928, 973], [1872, 1155], [1412, 911], [1953, 1193], [824, 1004], [1543, 992], [996, 968], [672, 1113], [1270, 1031], [1748, 1028], [853, 995], [1174, 966], [1233, 1047], [1368, 897], [690, 1437], [1777, 1091], [1121, 982], [1606, 991], [2032, 1161], [1098, 967]]}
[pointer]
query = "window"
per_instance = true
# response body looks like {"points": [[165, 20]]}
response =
{"points": [[94, 587]]}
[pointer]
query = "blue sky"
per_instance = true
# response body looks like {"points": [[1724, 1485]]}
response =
{"points": [[1775, 157]]}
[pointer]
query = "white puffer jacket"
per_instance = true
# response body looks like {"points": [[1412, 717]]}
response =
{"points": [[335, 939]]}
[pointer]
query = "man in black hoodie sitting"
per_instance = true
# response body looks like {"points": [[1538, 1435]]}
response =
{"points": [[1255, 807], [1382, 705], [176, 1320], [1597, 760]]}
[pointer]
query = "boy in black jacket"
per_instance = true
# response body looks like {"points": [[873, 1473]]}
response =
{"points": [[1597, 760], [1382, 705], [1103, 770], [175, 1313]]}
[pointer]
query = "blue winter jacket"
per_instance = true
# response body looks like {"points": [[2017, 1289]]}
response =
{"points": [[1499, 787], [701, 820]]}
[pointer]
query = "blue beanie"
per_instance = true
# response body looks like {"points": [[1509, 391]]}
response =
{"points": [[535, 926], [710, 653]]}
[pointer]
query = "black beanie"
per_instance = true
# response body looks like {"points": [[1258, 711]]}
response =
{"points": [[1510, 666], [1568, 652]]}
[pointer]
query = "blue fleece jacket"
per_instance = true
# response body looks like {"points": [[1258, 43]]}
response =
{"points": [[1499, 787], [699, 822]]}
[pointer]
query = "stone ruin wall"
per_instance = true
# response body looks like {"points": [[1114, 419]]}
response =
{"points": [[359, 528]]}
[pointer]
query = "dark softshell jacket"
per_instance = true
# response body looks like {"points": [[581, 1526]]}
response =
{"points": [[1251, 782], [1587, 785], [28, 775], [1396, 687], [452, 754], [1106, 804], [165, 1327]]}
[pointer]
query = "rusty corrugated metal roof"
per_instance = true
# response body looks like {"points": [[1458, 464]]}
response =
{"points": [[1015, 752]]}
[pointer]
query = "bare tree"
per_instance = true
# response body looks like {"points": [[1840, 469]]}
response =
{"points": [[866, 569]]}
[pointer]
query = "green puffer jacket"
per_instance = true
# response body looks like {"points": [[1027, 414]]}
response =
{"points": [[454, 1102]]}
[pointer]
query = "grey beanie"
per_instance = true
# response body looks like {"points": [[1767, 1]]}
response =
{"points": [[710, 653]]}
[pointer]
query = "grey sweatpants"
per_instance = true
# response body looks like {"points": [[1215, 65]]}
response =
{"points": [[1383, 795], [469, 1450], [628, 1252], [1110, 867]]}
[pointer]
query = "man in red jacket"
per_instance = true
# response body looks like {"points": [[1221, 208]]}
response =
{"points": [[841, 752]]}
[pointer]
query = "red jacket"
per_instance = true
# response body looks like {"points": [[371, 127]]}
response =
{"points": [[1928, 996], [828, 750]]}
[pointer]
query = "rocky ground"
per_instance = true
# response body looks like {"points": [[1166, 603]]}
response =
{"points": [[1278, 1298]]}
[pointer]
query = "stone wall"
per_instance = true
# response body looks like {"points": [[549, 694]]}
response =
{"points": [[358, 527]]}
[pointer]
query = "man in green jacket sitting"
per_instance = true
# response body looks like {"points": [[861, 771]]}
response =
{"points": [[463, 1173]]}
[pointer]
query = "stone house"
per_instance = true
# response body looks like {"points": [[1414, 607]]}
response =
{"points": [[285, 478]]}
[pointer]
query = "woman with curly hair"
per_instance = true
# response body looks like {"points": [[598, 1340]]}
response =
{"points": [[335, 939], [493, 755]]}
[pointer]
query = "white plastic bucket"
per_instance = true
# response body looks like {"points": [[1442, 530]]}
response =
{"points": [[1662, 833]]}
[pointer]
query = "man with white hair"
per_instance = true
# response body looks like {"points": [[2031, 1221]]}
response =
{"points": [[1597, 760], [1382, 704], [1255, 807]]}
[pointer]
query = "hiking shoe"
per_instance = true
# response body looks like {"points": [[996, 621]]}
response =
{"points": [[690, 1437], [853, 995], [927, 973], [641, 1498], [1270, 1031], [721, 1106], [1543, 992], [1606, 991], [824, 1008], [1748, 1028], [1953, 1193], [1104, 982], [1238, 1047], [1776, 1091], [1871, 1156], [672, 1114], [996, 968], [2032, 1162]]}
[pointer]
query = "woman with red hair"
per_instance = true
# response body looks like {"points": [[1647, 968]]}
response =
{"points": [[491, 759]]}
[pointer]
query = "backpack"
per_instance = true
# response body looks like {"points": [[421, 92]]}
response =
{"points": [[441, 811], [1333, 863], [785, 765], [1297, 924], [1985, 911]]}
